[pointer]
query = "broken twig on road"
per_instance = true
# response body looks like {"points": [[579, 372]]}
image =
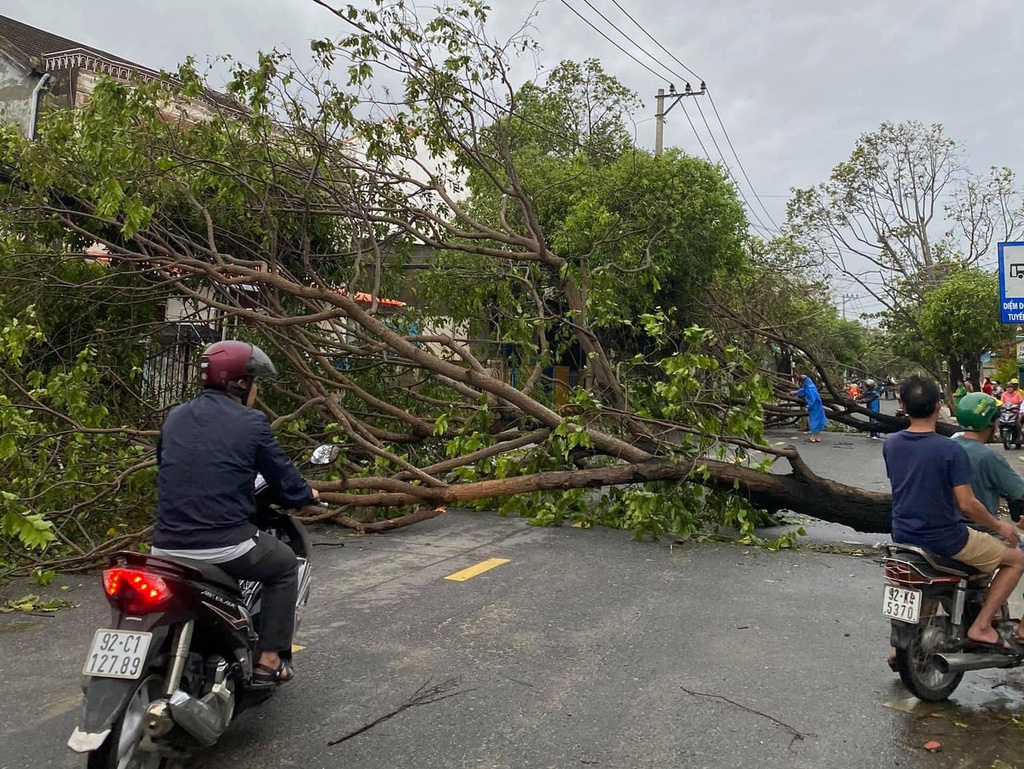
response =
{"points": [[797, 735], [425, 695]]}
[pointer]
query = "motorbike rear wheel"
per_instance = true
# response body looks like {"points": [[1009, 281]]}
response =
{"points": [[123, 748], [916, 666]]}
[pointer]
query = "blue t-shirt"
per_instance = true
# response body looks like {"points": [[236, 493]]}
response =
{"points": [[923, 468]]}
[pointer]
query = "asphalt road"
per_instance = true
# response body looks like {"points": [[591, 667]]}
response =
{"points": [[576, 652]]}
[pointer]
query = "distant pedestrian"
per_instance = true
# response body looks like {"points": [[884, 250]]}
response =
{"points": [[959, 392], [986, 386], [816, 420], [870, 397]]}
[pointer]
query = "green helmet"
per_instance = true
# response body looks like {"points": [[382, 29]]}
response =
{"points": [[976, 411]]}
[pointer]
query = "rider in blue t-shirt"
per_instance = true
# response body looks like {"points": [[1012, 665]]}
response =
{"points": [[931, 479]]}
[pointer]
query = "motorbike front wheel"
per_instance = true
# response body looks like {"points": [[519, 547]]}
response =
{"points": [[123, 748], [1006, 441], [916, 666]]}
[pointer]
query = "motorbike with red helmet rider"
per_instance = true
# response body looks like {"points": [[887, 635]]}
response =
{"points": [[209, 452], [205, 621]]}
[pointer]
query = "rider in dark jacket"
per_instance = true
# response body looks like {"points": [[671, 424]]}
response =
{"points": [[208, 454]]}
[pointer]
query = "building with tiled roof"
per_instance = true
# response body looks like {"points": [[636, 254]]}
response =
{"points": [[40, 70]]}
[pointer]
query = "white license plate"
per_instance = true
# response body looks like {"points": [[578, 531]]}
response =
{"points": [[904, 605], [117, 654]]}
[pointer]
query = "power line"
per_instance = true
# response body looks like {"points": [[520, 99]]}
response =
{"points": [[733, 176], [614, 26], [739, 162], [714, 107], [764, 227], [704, 149], [655, 40], [694, 129], [660, 76]]}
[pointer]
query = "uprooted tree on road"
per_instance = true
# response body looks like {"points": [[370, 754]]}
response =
{"points": [[293, 221]]}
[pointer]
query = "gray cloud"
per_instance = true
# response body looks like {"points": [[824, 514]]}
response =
{"points": [[796, 81]]}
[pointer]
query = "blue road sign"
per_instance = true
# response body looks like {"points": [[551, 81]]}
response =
{"points": [[1011, 283]]}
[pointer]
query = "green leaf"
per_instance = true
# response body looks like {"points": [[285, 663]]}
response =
{"points": [[33, 531]]}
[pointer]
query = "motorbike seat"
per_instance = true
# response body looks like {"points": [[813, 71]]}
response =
{"points": [[940, 563], [211, 573]]}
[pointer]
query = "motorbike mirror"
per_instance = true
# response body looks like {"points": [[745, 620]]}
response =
{"points": [[324, 454]]}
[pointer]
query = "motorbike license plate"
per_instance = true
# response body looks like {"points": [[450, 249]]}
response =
{"points": [[902, 604], [117, 654]]}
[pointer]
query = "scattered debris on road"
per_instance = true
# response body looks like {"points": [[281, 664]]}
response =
{"points": [[797, 735], [425, 695]]}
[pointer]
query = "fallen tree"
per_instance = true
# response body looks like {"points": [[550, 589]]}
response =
{"points": [[293, 221]]}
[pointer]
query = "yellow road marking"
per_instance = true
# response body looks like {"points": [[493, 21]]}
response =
{"points": [[297, 648], [480, 568]]}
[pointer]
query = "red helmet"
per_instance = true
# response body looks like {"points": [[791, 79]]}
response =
{"points": [[224, 362]]}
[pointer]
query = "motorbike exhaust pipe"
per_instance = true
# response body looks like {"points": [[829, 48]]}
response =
{"points": [[961, 663], [204, 719]]}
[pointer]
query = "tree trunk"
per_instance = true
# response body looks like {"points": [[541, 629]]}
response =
{"points": [[973, 366], [955, 375], [801, 491]]}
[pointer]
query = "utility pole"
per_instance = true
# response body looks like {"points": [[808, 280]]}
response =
{"points": [[844, 298], [659, 117]]}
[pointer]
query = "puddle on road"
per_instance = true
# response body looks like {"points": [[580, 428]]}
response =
{"points": [[976, 727]]}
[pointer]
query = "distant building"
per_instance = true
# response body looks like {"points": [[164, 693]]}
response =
{"points": [[40, 70]]}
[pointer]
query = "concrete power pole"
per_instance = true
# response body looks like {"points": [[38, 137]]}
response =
{"points": [[659, 122], [659, 118]]}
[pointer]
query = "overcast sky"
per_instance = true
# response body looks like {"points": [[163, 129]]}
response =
{"points": [[796, 81]]}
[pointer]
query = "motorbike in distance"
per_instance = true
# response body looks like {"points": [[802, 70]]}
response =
{"points": [[1009, 426], [174, 666]]}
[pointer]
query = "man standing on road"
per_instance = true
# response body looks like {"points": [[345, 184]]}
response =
{"points": [[870, 397], [931, 478]]}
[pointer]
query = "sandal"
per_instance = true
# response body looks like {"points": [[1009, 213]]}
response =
{"points": [[264, 675], [1008, 643]]}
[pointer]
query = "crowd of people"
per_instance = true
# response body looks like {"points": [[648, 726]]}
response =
{"points": [[870, 393]]}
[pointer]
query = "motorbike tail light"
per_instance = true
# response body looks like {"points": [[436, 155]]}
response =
{"points": [[904, 573], [139, 589]]}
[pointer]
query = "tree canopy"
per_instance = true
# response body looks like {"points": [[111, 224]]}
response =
{"points": [[901, 217], [289, 221]]}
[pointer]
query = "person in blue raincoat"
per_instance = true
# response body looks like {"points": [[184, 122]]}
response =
{"points": [[815, 411]]}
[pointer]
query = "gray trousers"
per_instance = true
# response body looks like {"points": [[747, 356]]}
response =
{"points": [[273, 563]]}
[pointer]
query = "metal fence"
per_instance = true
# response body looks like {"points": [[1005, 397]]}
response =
{"points": [[170, 374]]}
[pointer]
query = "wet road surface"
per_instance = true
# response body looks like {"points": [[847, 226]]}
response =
{"points": [[582, 649]]}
